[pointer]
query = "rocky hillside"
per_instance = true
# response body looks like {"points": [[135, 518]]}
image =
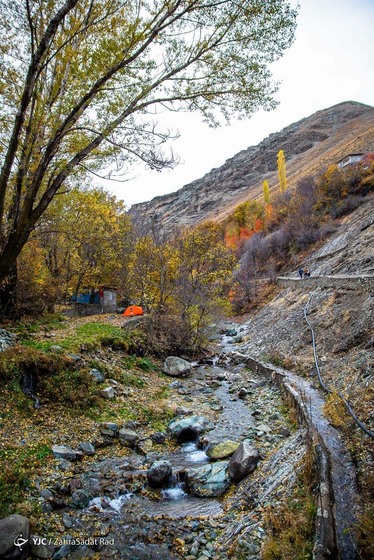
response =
{"points": [[310, 145]]}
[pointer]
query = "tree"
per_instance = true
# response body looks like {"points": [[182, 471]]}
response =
{"points": [[86, 238], [81, 82], [281, 161], [266, 191]]}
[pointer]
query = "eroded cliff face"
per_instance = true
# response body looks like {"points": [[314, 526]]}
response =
{"points": [[310, 145]]}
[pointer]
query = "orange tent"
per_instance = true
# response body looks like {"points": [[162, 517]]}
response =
{"points": [[133, 310]]}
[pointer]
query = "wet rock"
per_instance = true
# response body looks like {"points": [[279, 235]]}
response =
{"points": [[231, 332], [243, 461], [188, 428], [242, 393], [87, 448], [40, 547], [14, 528], [221, 450], [97, 375], [107, 393], [128, 437], [159, 473], [176, 367], [65, 452], [209, 480]]}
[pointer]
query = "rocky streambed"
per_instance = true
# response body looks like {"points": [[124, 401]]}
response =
{"points": [[230, 452]]}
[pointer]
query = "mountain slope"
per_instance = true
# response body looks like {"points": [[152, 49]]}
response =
{"points": [[310, 145]]}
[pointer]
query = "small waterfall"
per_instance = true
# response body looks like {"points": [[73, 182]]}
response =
{"points": [[193, 453], [175, 490]]}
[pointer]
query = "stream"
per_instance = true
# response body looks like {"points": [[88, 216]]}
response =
{"points": [[121, 516]]}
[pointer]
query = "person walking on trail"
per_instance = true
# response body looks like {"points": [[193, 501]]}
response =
{"points": [[301, 272], [306, 273]]}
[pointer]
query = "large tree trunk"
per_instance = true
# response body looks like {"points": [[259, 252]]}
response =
{"points": [[8, 291]]}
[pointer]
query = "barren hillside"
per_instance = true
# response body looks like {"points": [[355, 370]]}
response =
{"points": [[310, 145]]}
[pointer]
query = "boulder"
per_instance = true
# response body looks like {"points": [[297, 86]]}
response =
{"points": [[128, 437], [81, 498], [176, 367], [40, 547], [14, 529], [65, 452], [208, 480], [108, 429], [243, 461], [107, 393], [97, 375], [221, 450], [144, 446], [87, 448], [187, 428], [159, 473], [158, 437], [6, 340]]}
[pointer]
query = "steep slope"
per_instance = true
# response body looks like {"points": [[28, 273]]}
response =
{"points": [[309, 145]]}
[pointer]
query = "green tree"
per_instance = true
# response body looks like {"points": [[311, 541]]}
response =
{"points": [[282, 176], [81, 81]]}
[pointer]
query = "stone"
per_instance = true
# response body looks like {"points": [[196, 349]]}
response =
{"points": [[176, 367], [67, 520], [208, 480], [195, 548], [243, 461], [108, 429], [187, 428], [284, 432], [182, 411], [87, 448], [56, 349], [128, 437], [97, 375], [221, 450], [242, 393], [158, 437], [14, 528], [46, 494], [144, 446], [75, 357], [64, 452], [107, 393], [40, 547], [263, 428], [81, 498], [6, 340], [159, 473]]}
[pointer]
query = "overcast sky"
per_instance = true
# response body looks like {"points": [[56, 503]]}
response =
{"points": [[330, 61]]}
